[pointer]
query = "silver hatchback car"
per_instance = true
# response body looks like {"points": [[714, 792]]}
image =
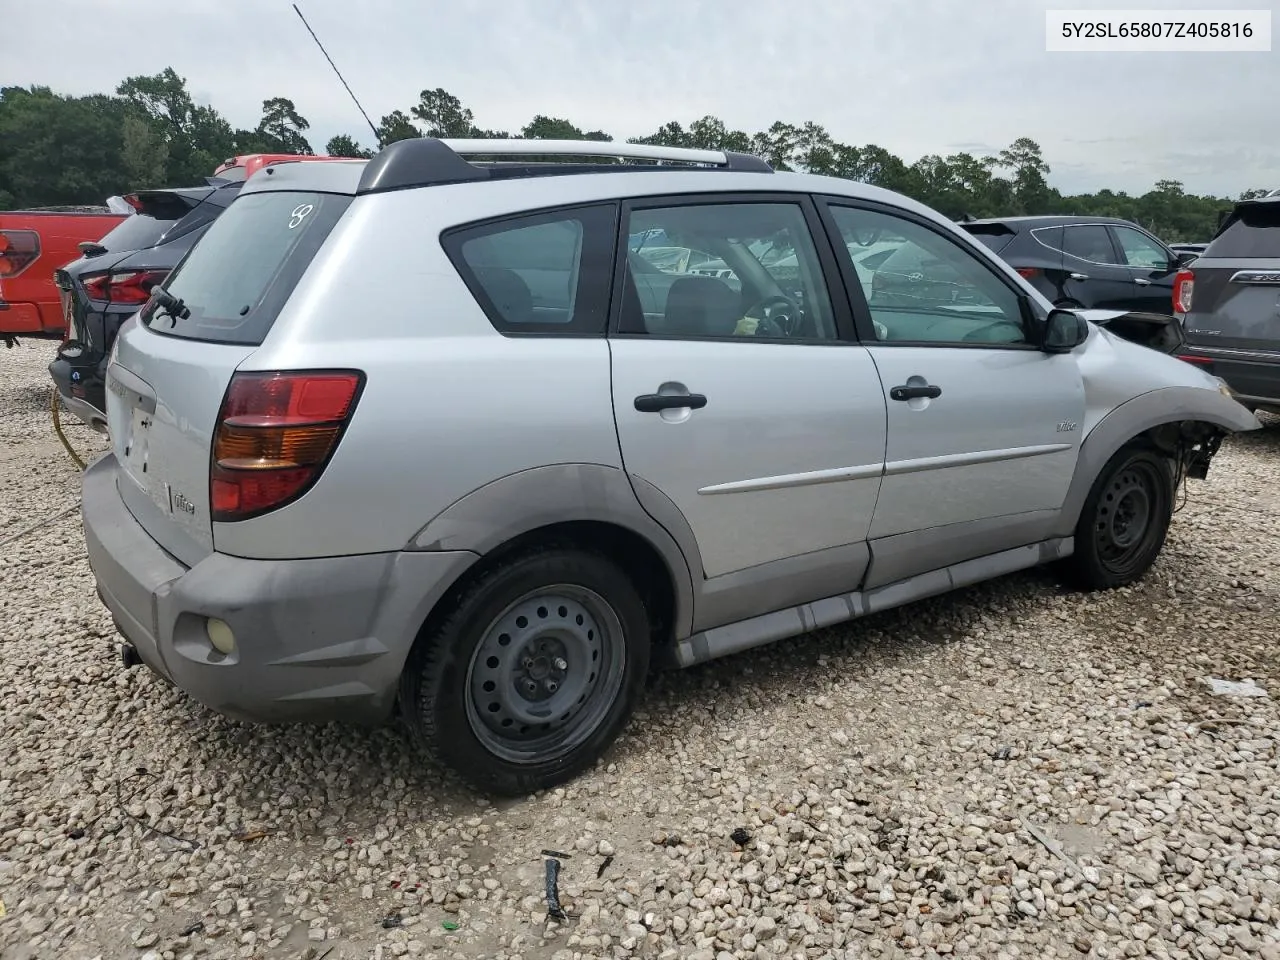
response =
{"points": [[480, 439]]}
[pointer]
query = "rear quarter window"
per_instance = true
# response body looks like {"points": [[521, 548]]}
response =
{"points": [[235, 281], [547, 273], [1250, 231], [136, 232]]}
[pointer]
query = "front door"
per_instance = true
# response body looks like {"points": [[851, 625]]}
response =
{"points": [[982, 424], [734, 393], [1152, 267]]}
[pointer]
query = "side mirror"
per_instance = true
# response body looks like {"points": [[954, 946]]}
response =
{"points": [[1064, 331]]}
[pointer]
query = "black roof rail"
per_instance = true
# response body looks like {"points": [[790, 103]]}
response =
{"points": [[428, 161]]}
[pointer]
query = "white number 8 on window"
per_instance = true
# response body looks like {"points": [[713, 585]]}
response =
{"points": [[300, 213]]}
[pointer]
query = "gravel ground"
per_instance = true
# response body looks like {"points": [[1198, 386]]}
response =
{"points": [[1011, 771]]}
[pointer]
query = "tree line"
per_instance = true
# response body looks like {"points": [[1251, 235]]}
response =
{"points": [[63, 150]]}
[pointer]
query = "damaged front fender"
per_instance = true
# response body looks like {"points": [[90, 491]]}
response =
{"points": [[1158, 331]]}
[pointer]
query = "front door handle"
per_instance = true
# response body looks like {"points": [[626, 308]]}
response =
{"points": [[1141, 282], [926, 391], [657, 402], [1078, 276]]}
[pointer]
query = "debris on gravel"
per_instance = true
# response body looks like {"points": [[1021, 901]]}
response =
{"points": [[1012, 771]]}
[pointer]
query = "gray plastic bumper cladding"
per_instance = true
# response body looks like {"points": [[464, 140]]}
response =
{"points": [[317, 639]]}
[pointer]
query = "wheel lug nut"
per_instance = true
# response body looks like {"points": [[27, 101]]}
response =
{"points": [[528, 663], [561, 664], [552, 686]]}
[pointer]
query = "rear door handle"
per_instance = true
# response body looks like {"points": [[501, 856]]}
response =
{"points": [[657, 402], [913, 393], [1078, 276], [1141, 282]]}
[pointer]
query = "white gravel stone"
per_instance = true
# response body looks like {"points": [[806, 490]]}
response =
{"points": [[885, 771]]}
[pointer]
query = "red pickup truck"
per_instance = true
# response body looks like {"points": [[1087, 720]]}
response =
{"points": [[34, 243]]}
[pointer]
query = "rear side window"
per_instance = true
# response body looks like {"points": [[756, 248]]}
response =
{"points": [[1050, 237], [1250, 231], [543, 274], [136, 232], [237, 278], [1089, 242]]}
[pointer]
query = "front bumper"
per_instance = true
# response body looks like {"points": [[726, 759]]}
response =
{"points": [[317, 639]]}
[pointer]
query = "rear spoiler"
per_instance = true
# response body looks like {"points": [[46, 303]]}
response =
{"points": [[1160, 332], [172, 204]]}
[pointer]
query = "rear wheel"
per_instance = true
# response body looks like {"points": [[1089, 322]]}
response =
{"points": [[1124, 522], [533, 673]]}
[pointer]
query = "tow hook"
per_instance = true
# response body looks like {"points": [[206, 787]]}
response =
{"points": [[129, 656]]}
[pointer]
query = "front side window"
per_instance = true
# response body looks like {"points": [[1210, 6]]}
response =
{"points": [[733, 270], [1140, 250], [1089, 242], [929, 289], [547, 273]]}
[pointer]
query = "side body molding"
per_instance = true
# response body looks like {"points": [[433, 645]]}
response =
{"points": [[1122, 424], [521, 502]]}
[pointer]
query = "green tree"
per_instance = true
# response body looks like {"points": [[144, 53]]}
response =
{"points": [[443, 115], [397, 126], [282, 127], [144, 155], [345, 146], [197, 137]]}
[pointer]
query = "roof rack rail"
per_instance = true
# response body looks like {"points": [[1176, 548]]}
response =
{"points": [[427, 161]]}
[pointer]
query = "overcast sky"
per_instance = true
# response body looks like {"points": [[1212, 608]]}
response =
{"points": [[914, 76]]}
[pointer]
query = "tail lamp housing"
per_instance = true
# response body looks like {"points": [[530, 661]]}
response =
{"points": [[276, 432], [18, 250], [133, 287], [1184, 284]]}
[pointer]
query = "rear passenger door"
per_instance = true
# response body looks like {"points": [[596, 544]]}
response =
{"points": [[983, 425], [739, 397], [1096, 277]]}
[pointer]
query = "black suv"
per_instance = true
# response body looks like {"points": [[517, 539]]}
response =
{"points": [[114, 277], [1229, 304], [1090, 262]]}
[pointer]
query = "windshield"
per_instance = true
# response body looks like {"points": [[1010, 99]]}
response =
{"points": [[237, 278]]}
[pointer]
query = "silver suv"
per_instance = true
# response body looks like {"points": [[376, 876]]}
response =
{"points": [[481, 440]]}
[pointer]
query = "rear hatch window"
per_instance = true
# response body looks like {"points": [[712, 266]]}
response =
{"points": [[994, 236], [1252, 230], [235, 281]]}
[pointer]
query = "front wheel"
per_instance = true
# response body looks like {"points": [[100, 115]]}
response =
{"points": [[1124, 522], [534, 672]]}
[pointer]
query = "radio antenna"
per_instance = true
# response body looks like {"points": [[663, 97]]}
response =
{"points": [[377, 139]]}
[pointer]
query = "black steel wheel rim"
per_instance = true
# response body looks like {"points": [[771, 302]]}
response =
{"points": [[1127, 521], [545, 674]]}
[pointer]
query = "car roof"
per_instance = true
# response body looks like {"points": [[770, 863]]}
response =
{"points": [[514, 187], [1033, 222]]}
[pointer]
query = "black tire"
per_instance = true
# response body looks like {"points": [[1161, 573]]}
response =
{"points": [[499, 748], [1124, 521]]}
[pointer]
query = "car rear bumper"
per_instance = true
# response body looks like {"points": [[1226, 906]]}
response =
{"points": [[1253, 376], [316, 639], [82, 389]]}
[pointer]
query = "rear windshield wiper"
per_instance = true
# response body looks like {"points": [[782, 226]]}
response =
{"points": [[173, 306]]}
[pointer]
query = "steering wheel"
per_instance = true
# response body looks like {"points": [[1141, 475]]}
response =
{"points": [[779, 316], [865, 236]]}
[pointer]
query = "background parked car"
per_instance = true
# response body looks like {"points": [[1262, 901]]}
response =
{"points": [[114, 277], [1229, 303], [1092, 262], [32, 244], [1195, 249]]}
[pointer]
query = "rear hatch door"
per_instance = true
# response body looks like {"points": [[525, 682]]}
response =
{"points": [[172, 365], [1235, 304]]}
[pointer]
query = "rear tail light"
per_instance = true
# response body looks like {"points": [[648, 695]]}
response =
{"points": [[275, 433], [1198, 361], [1184, 285], [133, 201], [18, 250], [1027, 273], [133, 287]]}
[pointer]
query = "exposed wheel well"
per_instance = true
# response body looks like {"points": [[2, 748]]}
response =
{"points": [[1189, 445], [638, 558]]}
